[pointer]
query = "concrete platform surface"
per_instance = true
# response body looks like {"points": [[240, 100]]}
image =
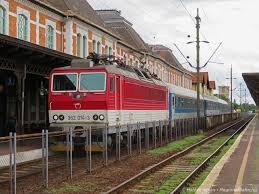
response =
{"points": [[238, 170]]}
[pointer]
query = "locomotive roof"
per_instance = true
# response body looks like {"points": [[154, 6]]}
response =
{"points": [[128, 71]]}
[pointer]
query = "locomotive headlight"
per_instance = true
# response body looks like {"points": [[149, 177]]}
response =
{"points": [[61, 117], [95, 117], [55, 117], [101, 117]]}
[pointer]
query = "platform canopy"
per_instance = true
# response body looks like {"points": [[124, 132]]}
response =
{"points": [[252, 82], [15, 53]]}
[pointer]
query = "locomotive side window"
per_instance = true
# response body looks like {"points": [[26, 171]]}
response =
{"points": [[92, 82], [64, 82], [111, 84]]}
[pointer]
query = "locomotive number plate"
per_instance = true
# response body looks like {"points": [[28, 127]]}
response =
{"points": [[78, 117]]}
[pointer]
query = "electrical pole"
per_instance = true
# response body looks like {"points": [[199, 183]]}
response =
{"points": [[231, 92], [198, 67], [198, 19], [240, 85], [245, 101]]}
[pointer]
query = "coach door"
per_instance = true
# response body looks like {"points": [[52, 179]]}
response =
{"points": [[118, 97]]}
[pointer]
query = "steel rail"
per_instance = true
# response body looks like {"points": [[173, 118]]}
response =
{"points": [[119, 188], [202, 166]]}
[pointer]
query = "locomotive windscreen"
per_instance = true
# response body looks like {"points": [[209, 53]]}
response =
{"points": [[88, 82], [92, 82], [64, 82]]}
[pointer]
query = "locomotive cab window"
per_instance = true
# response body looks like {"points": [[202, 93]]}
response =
{"points": [[92, 82], [64, 82]]}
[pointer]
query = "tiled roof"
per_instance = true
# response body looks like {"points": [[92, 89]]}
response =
{"points": [[166, 54], [79, 7], [204, 77], [123, 28], [212, 85]]}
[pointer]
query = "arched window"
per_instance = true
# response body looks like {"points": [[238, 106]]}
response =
{"points": [[2, 20], [94, 46], [98, 48], [84, 46], [22, 27], [78, 43], [106, 50], [50, 37], [110, 51]]}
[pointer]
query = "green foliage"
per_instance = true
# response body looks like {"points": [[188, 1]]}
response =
{"points": [[178, 145], [244, 107], [223, 97], [71, 188]]}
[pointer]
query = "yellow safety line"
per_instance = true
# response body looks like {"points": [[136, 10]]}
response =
{"points": [[238, 186]]}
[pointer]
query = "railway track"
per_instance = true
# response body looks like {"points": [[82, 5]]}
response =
{"points": [[176, 171], [35, 167]]}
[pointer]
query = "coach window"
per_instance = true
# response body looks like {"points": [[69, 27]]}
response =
{"points": [[173, 102], [111, 84], [22, 27], [2, 20]]}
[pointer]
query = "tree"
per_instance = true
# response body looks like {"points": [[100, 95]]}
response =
{"points": [[223, 97]]}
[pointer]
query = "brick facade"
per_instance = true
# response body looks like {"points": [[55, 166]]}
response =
{"points": [[66, 30]]}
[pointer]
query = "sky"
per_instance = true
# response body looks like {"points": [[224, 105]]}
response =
{"points": [[169, 22]]}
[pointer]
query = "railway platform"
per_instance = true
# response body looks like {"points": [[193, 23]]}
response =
{"points": [[238, 170]]}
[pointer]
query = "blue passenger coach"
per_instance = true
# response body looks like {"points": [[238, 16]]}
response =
{"points": [[182, 104]]}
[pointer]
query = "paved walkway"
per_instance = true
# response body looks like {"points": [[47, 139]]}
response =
{"points": [[238, 171]]}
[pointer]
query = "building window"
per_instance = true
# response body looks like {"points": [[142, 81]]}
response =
{"points": [[84, 47], [125, 59], [2, 20], [98, 48], [94, 46], [110, 51], [50, 37], [106, 50], [78, 43], [22, 27]]}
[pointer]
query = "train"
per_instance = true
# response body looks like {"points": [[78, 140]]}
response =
{"points": [[94, 93]]}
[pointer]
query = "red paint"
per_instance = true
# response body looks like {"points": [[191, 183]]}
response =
{"points": [[126, 94]]}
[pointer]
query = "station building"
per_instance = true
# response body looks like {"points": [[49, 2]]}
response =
{"points": [[39, 35], [224, 90], [206, 86]]}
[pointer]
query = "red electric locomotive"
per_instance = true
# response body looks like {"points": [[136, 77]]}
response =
{"points": [[105, 93]]}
